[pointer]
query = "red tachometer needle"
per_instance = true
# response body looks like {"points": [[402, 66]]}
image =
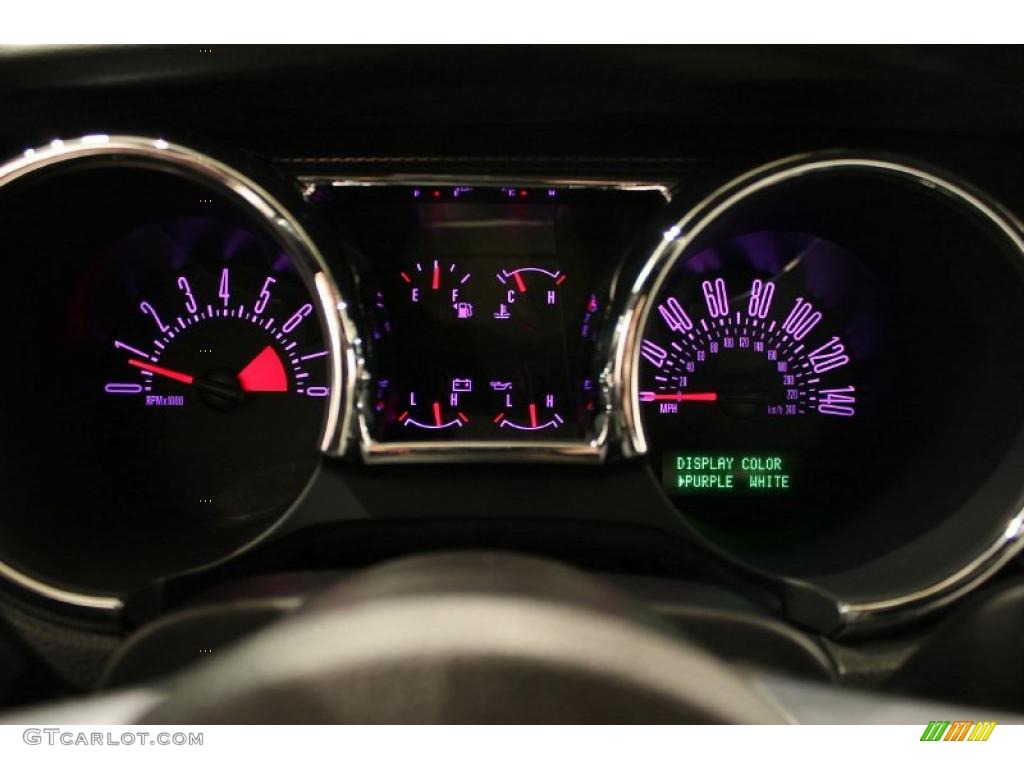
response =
{"points": [[264, 373], [184, 378], [680, 397]]}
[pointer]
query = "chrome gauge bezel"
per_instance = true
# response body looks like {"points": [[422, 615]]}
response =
{"points": [[639, 287], [338, 327]]}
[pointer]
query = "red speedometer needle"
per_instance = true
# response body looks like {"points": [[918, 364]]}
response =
{"points": [[184, 378], [680, 397]]}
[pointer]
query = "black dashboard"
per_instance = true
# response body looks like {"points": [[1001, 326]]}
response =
{"points": [[748, 319]]}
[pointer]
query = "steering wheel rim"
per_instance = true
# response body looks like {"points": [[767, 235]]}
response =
{"points": [[466, 638]]}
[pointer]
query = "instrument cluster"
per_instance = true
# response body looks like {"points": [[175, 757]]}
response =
{"points": [[813, 371]]}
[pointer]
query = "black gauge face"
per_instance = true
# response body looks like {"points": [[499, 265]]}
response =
{"points": [[219, 364], [828, 374], [184, 356], [755, 372]]}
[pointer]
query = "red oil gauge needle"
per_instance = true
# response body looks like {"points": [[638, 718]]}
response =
{"points": [[437, 414], [680, 397]]}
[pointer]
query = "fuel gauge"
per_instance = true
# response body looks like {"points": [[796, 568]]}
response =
{"points": [[438, 287]]}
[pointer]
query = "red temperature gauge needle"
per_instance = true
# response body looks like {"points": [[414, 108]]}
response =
{"points": [[184, 378], [680, 397]]}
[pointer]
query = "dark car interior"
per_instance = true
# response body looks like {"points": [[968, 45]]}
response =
{"points": [[512, 384]]}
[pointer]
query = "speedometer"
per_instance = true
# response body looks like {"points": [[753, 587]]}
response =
{"points": [[749, 368], [821, 365]]}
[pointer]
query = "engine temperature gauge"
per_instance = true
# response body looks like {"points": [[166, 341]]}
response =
{"points": [[526, 292]]}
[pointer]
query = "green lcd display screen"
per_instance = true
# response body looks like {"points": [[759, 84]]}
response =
{"points": [[701, 473]]}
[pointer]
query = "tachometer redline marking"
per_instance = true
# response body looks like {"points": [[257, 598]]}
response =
{"points": [[265, 373]]}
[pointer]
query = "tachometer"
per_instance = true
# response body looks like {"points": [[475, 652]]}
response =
{"points": [[219, 350], [216, 369], [183, 368]]}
